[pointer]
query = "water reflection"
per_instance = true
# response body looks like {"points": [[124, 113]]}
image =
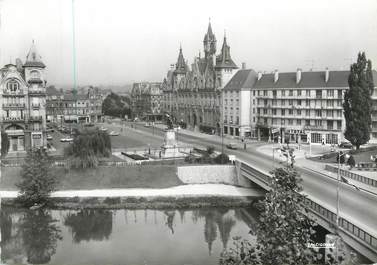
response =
{"points": [[90, 224], [40, 236], [101, 236]]}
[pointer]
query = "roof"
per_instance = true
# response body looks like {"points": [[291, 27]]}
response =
{"points": [[180, 66], [308, 79], [243, 79], [224, 60], [33, 59]]}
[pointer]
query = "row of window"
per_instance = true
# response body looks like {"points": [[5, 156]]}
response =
{"points": [[283, 112], [299, 102], [319, 93], [300, 122]]}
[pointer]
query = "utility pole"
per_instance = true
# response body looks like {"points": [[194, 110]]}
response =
{"points": [[74, 92]]}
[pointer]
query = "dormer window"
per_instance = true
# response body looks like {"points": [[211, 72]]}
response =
{"points": [[13, 86]]}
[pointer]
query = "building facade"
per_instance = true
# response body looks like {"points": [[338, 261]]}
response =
{"points": [[146, 100], [84, 107], [302, 107], [236, 104], [23, 101], [192, 96]]}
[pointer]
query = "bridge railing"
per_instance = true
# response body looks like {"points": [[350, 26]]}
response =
{"points": [[330, 216], [346, 225], [351, 175]]}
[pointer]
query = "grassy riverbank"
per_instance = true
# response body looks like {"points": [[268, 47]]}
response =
{"points": [[146, 176], [159, 202]]}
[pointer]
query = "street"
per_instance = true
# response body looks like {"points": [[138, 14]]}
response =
{"points": [[358, 207]]}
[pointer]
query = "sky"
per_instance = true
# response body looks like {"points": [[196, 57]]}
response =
{"points": [[119, 42]]}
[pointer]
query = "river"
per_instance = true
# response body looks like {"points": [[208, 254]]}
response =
{"points": [[132, 237], [121, 236]]}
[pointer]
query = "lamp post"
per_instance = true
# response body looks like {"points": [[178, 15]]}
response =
{"points": [[338, 189]]}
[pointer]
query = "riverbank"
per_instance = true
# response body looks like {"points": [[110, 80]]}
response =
{"points": [[196, 195]]}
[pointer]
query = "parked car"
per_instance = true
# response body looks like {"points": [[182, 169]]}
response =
{"points": [[231, 146], [66, 140], [103, 129], [49, 137], [147, 124], [112, 133], [347, 145]]}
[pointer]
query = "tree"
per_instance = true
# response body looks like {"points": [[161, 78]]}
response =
{"points": [[37, 180], [116, 106], [88, 146], [357, 102], [283, 233], [40, 234], [4, 143]]}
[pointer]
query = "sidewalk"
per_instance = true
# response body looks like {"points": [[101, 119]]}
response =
{"points": [[193, 190], [303, 162]]}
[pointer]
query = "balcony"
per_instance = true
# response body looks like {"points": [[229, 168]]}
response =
{"points": [[37, 92], [8, 93], [35, 81], [35, 105], [35, 118], [13, 119], [13, 105]]}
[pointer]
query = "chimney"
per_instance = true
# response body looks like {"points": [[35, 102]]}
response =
{"points": [[276, 76], [259, 75], [327, 75], [243, 66], [298, 76]]}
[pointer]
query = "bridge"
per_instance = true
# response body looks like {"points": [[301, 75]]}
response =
{"points": [[357, 230]]}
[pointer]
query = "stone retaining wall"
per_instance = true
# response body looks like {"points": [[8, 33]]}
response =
{"points": [[215, 174]]}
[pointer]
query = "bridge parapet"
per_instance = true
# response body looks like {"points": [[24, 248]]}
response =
{"points": [[264, 180]]}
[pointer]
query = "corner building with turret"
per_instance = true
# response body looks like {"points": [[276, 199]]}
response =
{"points": [[23, 102], [192, 94]]}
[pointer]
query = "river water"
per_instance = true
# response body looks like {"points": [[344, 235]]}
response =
{"points": [[121, 236], [132, 237]]}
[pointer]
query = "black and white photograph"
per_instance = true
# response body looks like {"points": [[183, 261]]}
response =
{"points": [[202, 132]]}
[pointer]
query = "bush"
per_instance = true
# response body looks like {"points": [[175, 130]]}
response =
{"points": [[351, 161], [222, 159], [210, 149], [340, 156]]}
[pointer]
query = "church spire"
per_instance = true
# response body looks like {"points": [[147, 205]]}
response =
{"points": [[209, 41], [180, 66], [224, 60]]}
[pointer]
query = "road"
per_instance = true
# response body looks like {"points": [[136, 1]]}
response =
{"points": [[358, 207]]}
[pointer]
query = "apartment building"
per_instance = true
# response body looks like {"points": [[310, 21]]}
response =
{"points": [[236, 104], [303, 106]]}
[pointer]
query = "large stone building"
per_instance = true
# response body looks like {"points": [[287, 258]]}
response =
{"points": [[296, 106], [192, 96], [67, 107], [22, 102], [146, 100]]}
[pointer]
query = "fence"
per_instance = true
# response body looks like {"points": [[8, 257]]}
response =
{"points": [[368, 166], [351, 175]]}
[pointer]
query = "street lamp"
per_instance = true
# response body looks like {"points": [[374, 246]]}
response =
{"points": [[337, 189]]}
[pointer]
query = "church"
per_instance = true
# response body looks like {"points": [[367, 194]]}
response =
{"points": [[192, 95], [23, 102]]}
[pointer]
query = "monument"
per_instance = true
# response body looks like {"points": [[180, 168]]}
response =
{"points": [[170, 148]]}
